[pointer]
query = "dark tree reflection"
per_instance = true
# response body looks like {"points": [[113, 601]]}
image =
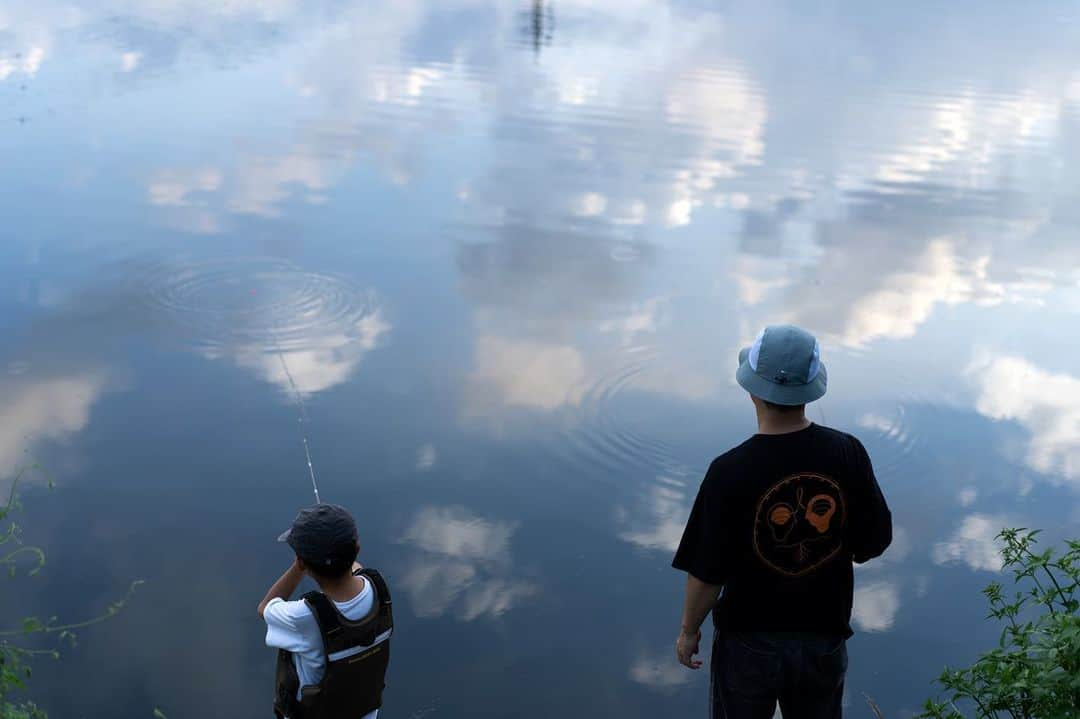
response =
{"points": [[540, 25]]}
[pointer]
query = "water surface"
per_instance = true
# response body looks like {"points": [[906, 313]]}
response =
{"points": [[506, 254]]}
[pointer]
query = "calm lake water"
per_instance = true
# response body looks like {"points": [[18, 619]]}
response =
{"points": [[506, 252]]}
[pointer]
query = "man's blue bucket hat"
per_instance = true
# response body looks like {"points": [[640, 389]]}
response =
{"points": [[783, 366]]}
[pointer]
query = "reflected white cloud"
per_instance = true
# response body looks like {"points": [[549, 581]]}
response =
{"points": [[254, 185], [875, 606], [918, 271], [327, 360], [522, 373], [967, 496], [697, 117], [657, 522], [659, 672], [756, 279], [904, 300], [32, 34], [557, 324], [37, 410], [463, 565], [640, 118], [438, 586], [130, 60], [301, 330], [891, 427], [642, 320], [858, 309], [591, 204], [261, 184], [26, 62], [426, 457], [896, 240], [713, 103], [974, 543], [179, 188], [967, 132], [456, 532], [340, 124], [710, 127], [1046, 404], [535, 375]]}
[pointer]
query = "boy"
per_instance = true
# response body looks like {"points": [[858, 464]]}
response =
{"points": [[334, 644]]}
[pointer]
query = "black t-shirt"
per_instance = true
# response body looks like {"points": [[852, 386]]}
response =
{"points": [[778, 521]]}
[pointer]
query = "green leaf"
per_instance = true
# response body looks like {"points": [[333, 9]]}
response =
{"points": [[1034, 672]]}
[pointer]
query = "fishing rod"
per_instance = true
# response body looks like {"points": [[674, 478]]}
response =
{"points": [[303, 419]]}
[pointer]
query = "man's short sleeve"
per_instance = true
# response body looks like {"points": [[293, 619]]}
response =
{"points": [[871, 521], [285, 625], [705, 546]]}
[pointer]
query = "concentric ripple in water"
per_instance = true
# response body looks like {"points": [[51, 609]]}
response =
{"points": [[891, 440], [256, 302], [604, 439]]}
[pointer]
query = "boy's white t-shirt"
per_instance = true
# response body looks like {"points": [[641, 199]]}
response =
{"points": [[291, 626]]}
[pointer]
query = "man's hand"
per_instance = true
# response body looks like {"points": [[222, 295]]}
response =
{"points": [[686, 646], [700, 599]]}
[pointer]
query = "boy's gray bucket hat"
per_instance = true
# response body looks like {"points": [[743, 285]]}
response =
{"points": [[783, 366]]}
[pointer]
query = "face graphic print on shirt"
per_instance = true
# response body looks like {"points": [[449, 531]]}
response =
{"points": [[799, 523]]}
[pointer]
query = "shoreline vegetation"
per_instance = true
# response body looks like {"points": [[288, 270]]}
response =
{"points": [[1033, 673], [51, 635]]}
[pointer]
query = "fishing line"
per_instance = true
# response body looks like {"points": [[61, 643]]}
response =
{"points": [[303, 419]]}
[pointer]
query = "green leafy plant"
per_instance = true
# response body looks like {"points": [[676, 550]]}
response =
{"points": [[1034, 672], [15, 656]]}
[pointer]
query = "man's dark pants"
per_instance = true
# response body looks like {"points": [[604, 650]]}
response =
{"points": [[751, 672]]}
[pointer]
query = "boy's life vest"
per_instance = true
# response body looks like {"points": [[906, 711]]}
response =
{"points": [[353, 683]]}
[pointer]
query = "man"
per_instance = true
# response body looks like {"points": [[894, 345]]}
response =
{"points": [[334, 644], [775, 527]]}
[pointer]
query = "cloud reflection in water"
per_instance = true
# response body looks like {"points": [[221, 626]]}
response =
{"points": [[875, 606], [44, 409], [1046, 404], [620, 209], [303, 331], [661, 671], [974, 543], [463, 565]]}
